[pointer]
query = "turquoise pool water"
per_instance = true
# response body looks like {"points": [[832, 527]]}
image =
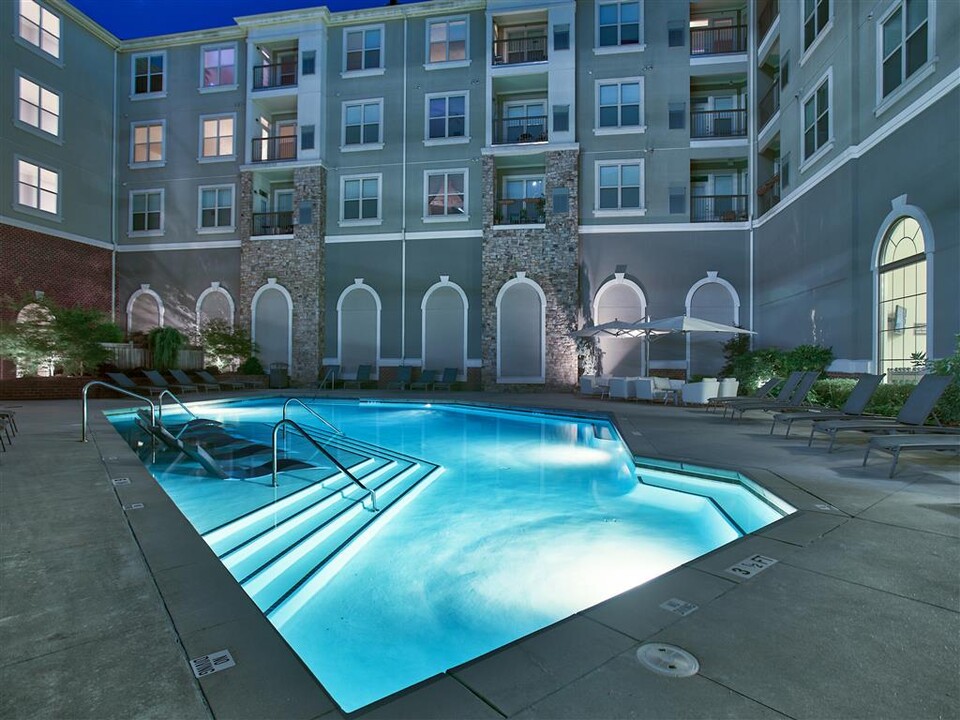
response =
{"points": [[492, 524]]}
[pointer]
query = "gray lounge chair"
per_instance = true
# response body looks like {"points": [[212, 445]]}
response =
{"points": [[794, 399], [447, 380], [362, 378], [402, 381], [181, 377], [786, 390], [911, 417], [425, 381], [895, 444], [761, 392], [856, 403], [221, 383], [331, 374], [121, 380], [159, 381]]}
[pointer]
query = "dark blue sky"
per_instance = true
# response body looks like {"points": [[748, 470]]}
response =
{"points": [[139, 18]]}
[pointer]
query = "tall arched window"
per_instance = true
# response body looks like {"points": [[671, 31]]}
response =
{"points": [[358, 327], [444, 310], [144, 310], [620, 299], [521, 339], [272, 321], [715, 299], [902, 311]]}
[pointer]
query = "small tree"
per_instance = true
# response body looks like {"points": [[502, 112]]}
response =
{"points": [[225, 346], [165, 344]]}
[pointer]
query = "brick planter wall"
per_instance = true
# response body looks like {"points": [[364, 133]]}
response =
{"points": [[51, 388]]}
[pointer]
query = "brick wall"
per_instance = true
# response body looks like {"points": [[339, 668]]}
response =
{"points": [[52, 388]]}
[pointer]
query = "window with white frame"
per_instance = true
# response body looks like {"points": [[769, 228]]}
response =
{"points": [[446, 193], [905, 39], [147, 143], [216, 207], [39, 107], [816, 119], [446, 116], [619, 104], [216, 136], [618, 24], [620, 185], [361, 198], [38, 187], [361, 122], [40, 27], [447, 40], [363, 48], [149, 73], [219, 66], [816, 15], [146, 212]]}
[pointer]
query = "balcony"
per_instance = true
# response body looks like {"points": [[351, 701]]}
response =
{"points": [[769, 103], [272, 223], [530, 129], [718, 124], [718, 40], [275, 149], [768, 194], [514, 51], [766, 17], [718, 208], [278, 75], [520, 211]]}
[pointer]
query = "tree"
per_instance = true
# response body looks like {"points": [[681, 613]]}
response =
{"points": [[225, 346]]}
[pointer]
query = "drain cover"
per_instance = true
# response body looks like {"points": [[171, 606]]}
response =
{"points": [[667, 660]]}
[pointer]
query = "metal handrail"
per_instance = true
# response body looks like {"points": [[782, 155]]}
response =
{"points": [[318, 446], [313, 412], [83, 427], [176, 400]]}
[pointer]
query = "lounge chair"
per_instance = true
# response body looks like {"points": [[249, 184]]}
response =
{"points": [[425, 381], [363, 377], [219, 382], [10, 418], [914, 413], [447, 380], [402, 381], [121, 380], [5, 430], [181, 377], [760, 393], [331, 374], [158, 380], [795, 399], [895, 444], [856, 403]]}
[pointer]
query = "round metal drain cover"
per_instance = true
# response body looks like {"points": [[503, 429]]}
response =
{"points": [[667, 660]]}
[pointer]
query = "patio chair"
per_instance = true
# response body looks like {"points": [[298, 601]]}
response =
{"points": [[911, 418], [330, 374], [221, 383], [856, 403], [796, 399], [699, 393], [425, 381], [447, 380], [121, 380], [158, 380], [10, 418], [181, 377], [761, 392], [5, 428], [363, 377], [404, 375], [895, 444]]}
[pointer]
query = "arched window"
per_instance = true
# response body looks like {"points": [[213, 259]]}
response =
{"points": [[271, 323], [214, 303], [444, 311], [144, 310], [620, 299], [715, 299], [902, 307], [521, 339], [358, 327]]}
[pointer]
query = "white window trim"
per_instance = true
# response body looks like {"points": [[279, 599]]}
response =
{"points": [[163, 213], [444, 283], [236, 68], [364, 72], [55, 59], [29, 209], [925, 70], [522, 278], [427, 218], [428, 65], [623, 129], [805, 54], [343, 126], [619, 212], [362, 221], [465, 138], [153, 163], [615, 49], [201, 158], [272, 284], [218, 229], [359, 284], [821, 151], [215, 288], [144, 289], [133, 76], [34, 129]]}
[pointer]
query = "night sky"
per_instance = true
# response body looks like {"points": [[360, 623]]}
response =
{"points": [[129, 19]]}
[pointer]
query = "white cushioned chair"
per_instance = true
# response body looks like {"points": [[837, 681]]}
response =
{"points": [[699, 393]]}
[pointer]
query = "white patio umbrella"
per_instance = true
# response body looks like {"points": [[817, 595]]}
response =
{"points": [[616, 328], [685, 324]]}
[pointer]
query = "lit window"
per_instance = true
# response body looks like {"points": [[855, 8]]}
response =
{"points": [[447, 116], [147, 143], [38, 187], [619, 185], [364, 49], [618, 23], [816, 14], [39, 107], [618, 104], [448, 41], [361, 198], [446, 193], [905, 38], [148, 74], [219, 66], [146, 212], [816, 119], [216, 207], [522, 202], [40, 27], [361, 122], [216, 137]]}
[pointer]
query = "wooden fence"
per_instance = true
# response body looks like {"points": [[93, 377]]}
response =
{"points": [[126, 357]]}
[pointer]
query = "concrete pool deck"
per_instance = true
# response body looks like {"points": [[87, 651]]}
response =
{"points": [[103, 603]]}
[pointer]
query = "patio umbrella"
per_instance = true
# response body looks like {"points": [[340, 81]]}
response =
{"points": [[685, 324], [616, 328]]}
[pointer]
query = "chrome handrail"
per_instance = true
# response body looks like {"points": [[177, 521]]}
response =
{"points": [[176, 400], [83, 428], [318, 446], [319, 417]]}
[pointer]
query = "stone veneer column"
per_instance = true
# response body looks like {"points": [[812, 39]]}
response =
{"points": [[298, 264], [550, 257]]}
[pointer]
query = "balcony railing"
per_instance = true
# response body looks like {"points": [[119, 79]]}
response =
{"points": [[766, 17], [273, 149], [769, 103], [718, 208], [532, 128], [520, 211], [718, 40], [768, 194], [272, 223], [274, 76], [718, 123], [520, 50]]}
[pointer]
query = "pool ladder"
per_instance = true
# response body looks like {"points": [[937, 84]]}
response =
{"points": [[156, 408]]}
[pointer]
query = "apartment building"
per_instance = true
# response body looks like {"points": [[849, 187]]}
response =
{"points": [[466, 182]]}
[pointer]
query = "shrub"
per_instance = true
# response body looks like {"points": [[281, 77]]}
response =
{"points": [[753, 367], [165, 343], [832, 392], [251, 366], [225, 346]]}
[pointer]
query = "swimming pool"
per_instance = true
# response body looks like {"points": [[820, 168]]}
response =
{"points": [[493, 524]]}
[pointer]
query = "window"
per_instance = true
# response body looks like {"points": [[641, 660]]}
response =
{"points": [[39, 107], [361, 122], [148, 74], [307, 135], [785, 171], [361, 198], [146, 212], [446, 193], [219, 66], [561, 37], [216, 207], [619, 185], [677, 115], [40, 27], [38, 187], [675, 33], [522, 202], [816, 119], [309, 63], [618, 24], [784, 69], [816, 14], [447, 40], [446, 116], [363, 49], [905, 37], [561, 118], [147, 143], [216, 136], [902, 321], [618, 104], [678, 199]]}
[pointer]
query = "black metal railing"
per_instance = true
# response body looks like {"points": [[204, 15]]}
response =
{"points": [[532, 128], [768, 194], [718, 123], [520, 50], [520, 211], [718, 208], [766, 17], [769, 103], [273, 76], [272, 223], [271, 149], [718, 40]]}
